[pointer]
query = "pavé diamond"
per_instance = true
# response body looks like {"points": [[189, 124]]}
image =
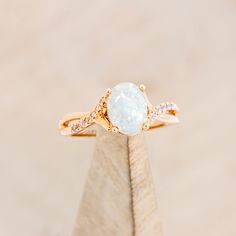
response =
{"points": [[127, 108]]}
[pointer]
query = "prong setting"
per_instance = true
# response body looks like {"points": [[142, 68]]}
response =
{"points": [[108, 91], [142, 87], [146, 126], [114, 130]]}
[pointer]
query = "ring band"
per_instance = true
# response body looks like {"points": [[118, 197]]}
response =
{"points": [[123, 109]]}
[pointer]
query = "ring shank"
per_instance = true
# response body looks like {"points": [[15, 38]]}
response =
{"points": [[89, 130]]}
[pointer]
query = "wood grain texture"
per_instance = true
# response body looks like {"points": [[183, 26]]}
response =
{"points": [[58, 56], [119, 197]]}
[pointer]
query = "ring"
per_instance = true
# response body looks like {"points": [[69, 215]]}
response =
{"points": [[123, 109]]}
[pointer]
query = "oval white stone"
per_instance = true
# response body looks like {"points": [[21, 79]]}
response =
{"points": [[127, 108]]}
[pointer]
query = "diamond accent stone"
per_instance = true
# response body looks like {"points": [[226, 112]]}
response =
{"points": [[159, 110], [93, 114], [127, 108], [75, 128]]}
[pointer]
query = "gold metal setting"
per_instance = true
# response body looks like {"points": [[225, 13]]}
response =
{"points": [[142, 87], [114, 130], [82, 123], [146, 126]]}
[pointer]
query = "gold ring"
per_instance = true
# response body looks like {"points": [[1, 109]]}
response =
{"points": [[124, 109]]}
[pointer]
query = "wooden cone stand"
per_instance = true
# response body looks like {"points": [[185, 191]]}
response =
{"points": [[119, 197]]}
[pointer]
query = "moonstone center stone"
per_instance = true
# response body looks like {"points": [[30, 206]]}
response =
{"points": [[127, 108]]}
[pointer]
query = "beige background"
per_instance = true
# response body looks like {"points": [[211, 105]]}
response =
{"points": [[59, 56]]}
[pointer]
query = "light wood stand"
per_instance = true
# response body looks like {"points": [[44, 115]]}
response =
{"points": [[119, 197]]}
